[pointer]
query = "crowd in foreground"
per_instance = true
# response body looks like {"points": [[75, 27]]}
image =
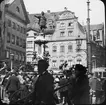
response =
{"points": [[73, 87]]}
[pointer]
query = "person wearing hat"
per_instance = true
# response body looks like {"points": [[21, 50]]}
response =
{"points": [[80, 90], [44, 86], [13, 84]]}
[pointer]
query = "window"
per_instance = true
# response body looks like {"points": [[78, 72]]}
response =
{"points": [[98, 35], [54, 48], [79, 61], [62, 48], [61, 62], [8, 37], [13, 39], [94, 37], [70, 33], [62, 33], [16, 56], [7, 54], [20, 42], [62, 25], [24, 44], [17, 41], [69, 48], [23, 57], [70, 24], [17, 9], [94, 64], [70, 63], [29, 44], [14, 25], [104, 74], [94, 32], [19, 57], [18, 28], [21, 30], [9, 23], [54, 63]]}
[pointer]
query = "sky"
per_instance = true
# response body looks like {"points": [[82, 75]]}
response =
{"points": [[79, 7]]}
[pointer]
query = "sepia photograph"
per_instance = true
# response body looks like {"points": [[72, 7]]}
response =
{"points": [[52, 52]]}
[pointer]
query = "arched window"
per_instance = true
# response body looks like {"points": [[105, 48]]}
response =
{"points": [[62, 48], [54, 48]]}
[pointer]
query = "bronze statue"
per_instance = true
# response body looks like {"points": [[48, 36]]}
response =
{"points": [[42, 21]]}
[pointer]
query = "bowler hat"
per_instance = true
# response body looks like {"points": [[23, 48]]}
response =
{"points": [[43, 63], [80, 68]]}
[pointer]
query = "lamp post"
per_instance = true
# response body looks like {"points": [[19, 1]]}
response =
{"points": [[89, 58], [11, 60]]}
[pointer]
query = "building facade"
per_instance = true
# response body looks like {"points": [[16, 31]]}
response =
{"points": [[30, 44], [67, 40], [14, 36], [64, 46]]}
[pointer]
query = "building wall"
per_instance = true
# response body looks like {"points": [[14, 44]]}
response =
{"points": [[15, 43], [61, 37], [98, 56], [30, 45], [66, 39], [2, 30], [14, 36]]}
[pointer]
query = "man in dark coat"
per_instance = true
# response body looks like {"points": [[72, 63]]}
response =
{"points": [[13, 84], [44, 86], [80, 90]]}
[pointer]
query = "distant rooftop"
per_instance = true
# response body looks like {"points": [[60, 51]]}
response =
{"points": [[96, 26], [54, 16]]}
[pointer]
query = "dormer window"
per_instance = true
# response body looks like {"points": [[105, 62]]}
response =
{"points": [[18, 10]]}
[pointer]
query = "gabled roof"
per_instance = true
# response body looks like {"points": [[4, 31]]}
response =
{"points": [[26, 13], [81, 27], [9, 4]]}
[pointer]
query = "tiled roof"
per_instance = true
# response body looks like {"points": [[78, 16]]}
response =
{"points": [[34, 21], [81, 28], [96, 26]]}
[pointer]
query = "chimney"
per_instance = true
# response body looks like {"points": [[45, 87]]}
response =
{"points": [[65, 8], [48, 11]]}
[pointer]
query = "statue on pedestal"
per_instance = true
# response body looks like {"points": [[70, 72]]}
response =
{"points": [[42, 21]]}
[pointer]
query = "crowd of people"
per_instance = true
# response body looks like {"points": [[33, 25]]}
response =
{"points": [[73, 86]]}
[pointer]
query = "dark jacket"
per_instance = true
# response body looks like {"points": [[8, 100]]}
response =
{"points": [[13, 84], [43, 89], [62, 82], [80, 91]]}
